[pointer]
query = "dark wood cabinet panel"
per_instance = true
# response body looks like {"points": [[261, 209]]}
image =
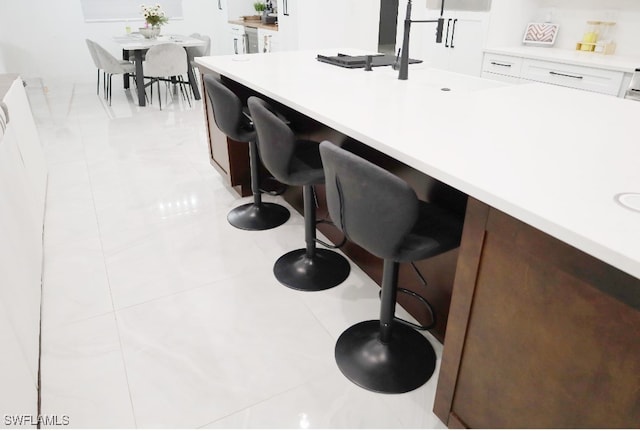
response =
{"points": [[540, 334]]}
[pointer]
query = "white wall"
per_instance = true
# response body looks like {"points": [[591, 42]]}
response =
{"points": [[509, 17], [508, 21], [572, 16], [46, 38]]}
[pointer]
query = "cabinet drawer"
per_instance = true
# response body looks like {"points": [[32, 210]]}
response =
{"points": [[503, 78], [502, 64], [583, 78]]}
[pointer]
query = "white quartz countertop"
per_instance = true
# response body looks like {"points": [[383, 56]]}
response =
{"points": [[550, 156], [579, 58]]}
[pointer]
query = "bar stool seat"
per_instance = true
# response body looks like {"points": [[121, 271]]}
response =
{"points": [[381, 213], [231, 120], [297, 163]]}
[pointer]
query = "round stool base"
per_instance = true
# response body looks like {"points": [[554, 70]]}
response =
{"points": [[258, 217], [402, 365], [324, 271]]}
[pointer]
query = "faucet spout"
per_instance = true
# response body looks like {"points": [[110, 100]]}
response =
{"points": [[404, 54]]}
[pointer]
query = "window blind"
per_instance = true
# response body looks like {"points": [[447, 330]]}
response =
{"points": [[126, 10]]}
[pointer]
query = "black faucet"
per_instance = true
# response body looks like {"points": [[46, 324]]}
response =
{"points": [[404, 57]]}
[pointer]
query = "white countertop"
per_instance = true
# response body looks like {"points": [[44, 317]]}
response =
{"points": [[580, 58], [550, 156], [137, 41]]}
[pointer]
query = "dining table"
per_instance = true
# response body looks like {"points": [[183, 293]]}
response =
{"points": [[134, 45]]}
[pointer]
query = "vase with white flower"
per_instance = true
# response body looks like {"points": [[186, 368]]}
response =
{"points": [[154, 17]]}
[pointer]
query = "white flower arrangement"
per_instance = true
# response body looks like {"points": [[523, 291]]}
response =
{"points": [[154, 16]]}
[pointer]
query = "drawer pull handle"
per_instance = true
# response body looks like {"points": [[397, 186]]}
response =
{"points": [[500, 64], [566, 75]]}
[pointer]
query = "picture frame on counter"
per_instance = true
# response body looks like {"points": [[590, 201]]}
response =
{"points": [[540, 33]]}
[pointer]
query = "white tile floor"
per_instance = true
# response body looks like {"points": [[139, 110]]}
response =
{"points": [[156, 312]]}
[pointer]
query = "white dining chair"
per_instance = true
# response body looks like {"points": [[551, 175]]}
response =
{"points": [[96, 61], [111, 66], [198, 51], [166, 62]]}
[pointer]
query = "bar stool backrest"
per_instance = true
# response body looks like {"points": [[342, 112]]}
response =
{"points": [[227, 110], [373, 207], [276, 140]]}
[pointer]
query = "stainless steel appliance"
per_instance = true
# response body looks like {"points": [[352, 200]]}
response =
{"points": [[633, 92], [252, 40]]}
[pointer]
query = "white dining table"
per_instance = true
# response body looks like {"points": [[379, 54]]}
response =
{"points": [[136, 43]]}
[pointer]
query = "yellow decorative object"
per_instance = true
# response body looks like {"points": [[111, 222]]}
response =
{"points": [[590, 36], [598, 37]]}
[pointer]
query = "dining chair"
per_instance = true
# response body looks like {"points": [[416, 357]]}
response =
{"points": [[198, 51], [166, 62], [111, 66], [96, 61]]}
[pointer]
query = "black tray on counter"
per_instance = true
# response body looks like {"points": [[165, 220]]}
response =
{"points": [[358, 61]]}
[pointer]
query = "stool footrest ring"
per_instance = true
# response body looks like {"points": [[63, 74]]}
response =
{"points": [[426, 304]]}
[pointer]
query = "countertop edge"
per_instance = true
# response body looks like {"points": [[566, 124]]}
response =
{"points": [[254, 24]]}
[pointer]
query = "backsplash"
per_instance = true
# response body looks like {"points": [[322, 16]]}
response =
{"points": [[572, 16]]}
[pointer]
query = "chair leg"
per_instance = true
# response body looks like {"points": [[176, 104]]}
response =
{"points": [[311, 269], [106, 91], [388, 299], [110, 88], [309, 220], [380, 356], [257, 215], [98, 83], [185, 93]]}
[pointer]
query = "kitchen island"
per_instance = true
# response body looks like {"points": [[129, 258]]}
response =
{"points": [[544, 324]]}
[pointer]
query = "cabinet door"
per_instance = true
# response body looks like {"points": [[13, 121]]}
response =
{"points": [[20, 252], [422, 42], [267, 40], [288, 24], [237, 39], [465, 45], [461, 49], [220, 44]]}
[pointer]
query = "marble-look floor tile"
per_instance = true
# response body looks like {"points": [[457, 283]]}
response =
{"points": [[124, 222], [327, 401], [75, 284], [83, 375], [200, 355], [189, 253]]}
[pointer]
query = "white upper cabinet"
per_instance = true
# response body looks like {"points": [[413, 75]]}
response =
{"points": [[463, 41], [303, 24], [222, 39]]}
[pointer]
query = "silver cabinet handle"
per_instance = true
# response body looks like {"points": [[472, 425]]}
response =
{"points": [[566, 75], [500, 64]]}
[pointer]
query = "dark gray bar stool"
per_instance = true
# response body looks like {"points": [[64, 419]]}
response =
{"points": [[231, 120], [297, 163], [381, 213]]}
